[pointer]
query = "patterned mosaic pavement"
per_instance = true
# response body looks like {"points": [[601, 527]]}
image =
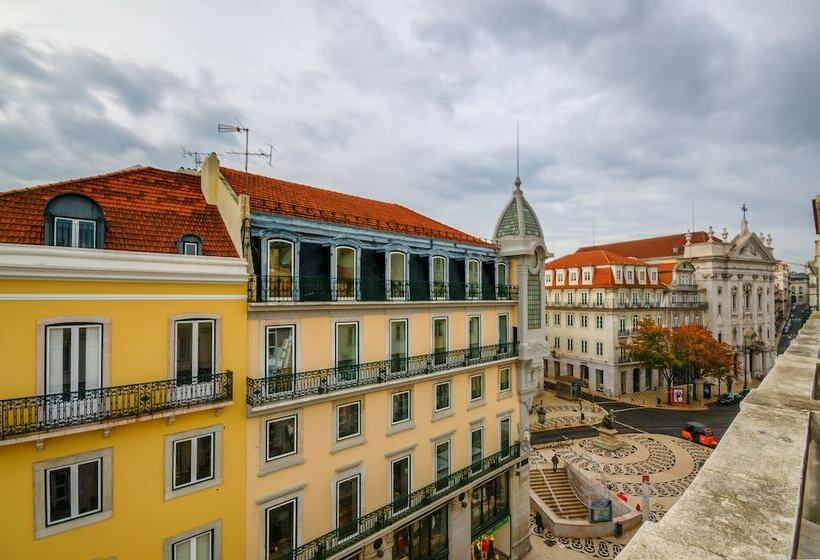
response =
{"points": [[671, 462]]}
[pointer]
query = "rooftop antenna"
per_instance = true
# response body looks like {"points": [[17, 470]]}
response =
{"points": [[198, 157], [240, 129]]}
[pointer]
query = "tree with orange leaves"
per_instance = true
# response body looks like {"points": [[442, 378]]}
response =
{"points": [[653, 347]]}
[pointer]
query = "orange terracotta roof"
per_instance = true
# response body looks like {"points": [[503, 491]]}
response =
{"points": [[592, 257], [145, 209], [664, 246], [276, 196]]}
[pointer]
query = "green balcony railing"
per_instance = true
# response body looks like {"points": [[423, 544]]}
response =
{"points": [[285, 384], [349, 536], [320, 289]]}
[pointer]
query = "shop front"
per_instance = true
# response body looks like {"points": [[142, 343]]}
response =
{"points": [[490, 520], [423, 539]]}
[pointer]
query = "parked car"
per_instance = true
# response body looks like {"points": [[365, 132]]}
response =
{"points": [[729, 398], [698, 433]]}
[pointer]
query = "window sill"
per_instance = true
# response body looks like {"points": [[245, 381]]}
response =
{"points": [[347, 444], [442, 414], [400, 427], [476, 403], [171, 494], [73, 524], [275, 465]]}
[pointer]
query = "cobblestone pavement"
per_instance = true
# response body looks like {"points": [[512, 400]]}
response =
{"points": [[671, 462], [561, 413]]}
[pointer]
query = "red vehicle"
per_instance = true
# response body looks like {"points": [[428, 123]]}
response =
{"points": [[698, 433]]}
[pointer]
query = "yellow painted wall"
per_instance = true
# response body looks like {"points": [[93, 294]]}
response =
{"points": [[142, 519], [314, 343]]}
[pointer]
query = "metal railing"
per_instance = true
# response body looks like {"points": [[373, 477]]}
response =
{"points": [[628, 305], [345, 537], [324, 289], [285, 385], [41, 413], [537, 464]]}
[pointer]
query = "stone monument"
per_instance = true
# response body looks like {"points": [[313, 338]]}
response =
{"points": [[608, 434]]}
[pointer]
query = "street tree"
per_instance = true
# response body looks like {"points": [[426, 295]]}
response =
{"points": [[653, 348]]}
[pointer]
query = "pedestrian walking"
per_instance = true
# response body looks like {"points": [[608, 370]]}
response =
{"points": [[539, 523], [485, 547], [554, 462], [491, 548]]}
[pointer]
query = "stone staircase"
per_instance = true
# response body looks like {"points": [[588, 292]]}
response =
{"points": [[570, 508]]}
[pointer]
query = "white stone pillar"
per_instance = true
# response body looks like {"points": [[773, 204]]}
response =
{"points": [[519, 485], [458, 528]]}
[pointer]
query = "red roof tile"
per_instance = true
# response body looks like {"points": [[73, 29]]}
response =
{"points": [[592, 257], [652, 247], [145, 209], [276, 196]]}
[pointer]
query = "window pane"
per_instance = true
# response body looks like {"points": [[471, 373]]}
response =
{"points": [[348, 420], [501, 279], [204, 457], [280, 260], [88, 487], [476, 387], [281, 437], [346, 344], [442, 396], [397, 268], [203, 546], [205, 350], [502, 329], [398, 345], [59, 494], [440, 339], [505, 435], [438, 269], [442, 460], [401, 407], [348, 504], [475, 445], [62, 232], [183, 550], [345, 263], [281, 366], [475, 327], [182, 462], [87, 235], [59, 360], [184, 349], [281, 528], [472, 272], [401, 482], [89, 359]]}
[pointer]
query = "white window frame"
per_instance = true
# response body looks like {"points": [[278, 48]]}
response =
{"points": [[501, 387], [193, 544], [336, 341], [433, 334], [449, 445], [75, 231], [74, 470], [470, 443], [444, 289], [394, 422], [449, 396], [498, 266], [390, 342], [194, 446], [195, 346], [358, 477], [469, 284], [293, 273], [501, 420], [294, 526], [75, 374], [358, 405], [268, 423], [409, 458], [335, 271], [187, 244], [481, 396], [405, 288]]}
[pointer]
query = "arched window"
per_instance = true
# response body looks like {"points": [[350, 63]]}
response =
{"points": [[345, 273], [280, 269], [473, 279], [439, 276], [734, 299], [189, 244], [74, 220], [397, 279]]}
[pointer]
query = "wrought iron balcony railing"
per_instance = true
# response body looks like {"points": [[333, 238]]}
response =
{"points": [[42, 413], [348, 536], [320, 289], [286, 384]]}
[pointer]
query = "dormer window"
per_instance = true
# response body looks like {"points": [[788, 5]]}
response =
{"points": [[654, 276], [73, 220], [617, 274], [189, 245], [587, 276], [629, 275]]}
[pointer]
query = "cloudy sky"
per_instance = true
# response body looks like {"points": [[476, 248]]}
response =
{"points": [[630, 112]]}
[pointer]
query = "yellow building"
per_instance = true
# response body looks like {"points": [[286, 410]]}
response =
{"points": [[124, 313], [390, 375], [364, 393]]}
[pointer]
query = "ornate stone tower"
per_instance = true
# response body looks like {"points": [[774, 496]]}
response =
{"points": [[520, 238]]}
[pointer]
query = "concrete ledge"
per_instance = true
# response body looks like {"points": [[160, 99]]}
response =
{"points": [[747, 500]]}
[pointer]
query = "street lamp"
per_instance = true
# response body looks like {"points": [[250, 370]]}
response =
{"points": [[542, 414]]}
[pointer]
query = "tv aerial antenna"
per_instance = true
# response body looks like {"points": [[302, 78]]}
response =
{"points": [[198, 157], [239, 128]]}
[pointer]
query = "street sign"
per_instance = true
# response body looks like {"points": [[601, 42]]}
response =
{"points": [[678, 395]]}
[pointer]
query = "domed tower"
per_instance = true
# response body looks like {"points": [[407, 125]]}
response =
{"points": [[520, 240]]}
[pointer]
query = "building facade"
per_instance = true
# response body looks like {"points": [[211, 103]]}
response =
{"points": [[782, 296], [123, 354], [595, 300], [736, 280], [799, 288], [248, 368], [390, 379]]}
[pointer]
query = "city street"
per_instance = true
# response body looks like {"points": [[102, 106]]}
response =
{"points": [[632, 419]]}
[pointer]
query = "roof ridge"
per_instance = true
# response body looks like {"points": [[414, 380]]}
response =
{"points": [[125, 170]]}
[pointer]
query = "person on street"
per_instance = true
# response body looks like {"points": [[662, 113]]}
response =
{"points": [[554, 462], [539, 523]]}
